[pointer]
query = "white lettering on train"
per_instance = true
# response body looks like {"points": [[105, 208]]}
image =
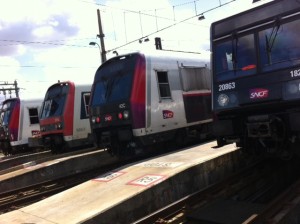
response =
{"points": [[295, 73], [259, 93], [227, 86]]}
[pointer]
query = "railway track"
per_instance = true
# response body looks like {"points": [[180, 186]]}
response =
{"points": [[16, 199], [250, 196], [12, 163], [20, 161]]}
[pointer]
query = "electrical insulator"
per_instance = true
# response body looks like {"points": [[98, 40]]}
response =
{"points": [[158, 43]]}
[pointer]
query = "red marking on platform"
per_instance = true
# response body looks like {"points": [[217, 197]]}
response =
{"points": [[147, 180], [108, 176]]}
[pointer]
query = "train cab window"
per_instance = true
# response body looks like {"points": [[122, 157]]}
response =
{"points": [[33, 115], [6, 112], [163, 85], [279, 46], [235, 58], [85, 100]]}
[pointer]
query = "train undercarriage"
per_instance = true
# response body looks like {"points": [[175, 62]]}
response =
{"points": [[57, 144], [276, 135], [121, 142]]}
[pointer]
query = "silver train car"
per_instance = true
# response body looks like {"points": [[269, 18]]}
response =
{"points": [[139, 100]]}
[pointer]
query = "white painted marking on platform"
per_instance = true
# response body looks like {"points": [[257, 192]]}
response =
{"points": [[108, 176], [53, 162], [147, 180], [160, 164], [32, 163], [34, 167], [62, 159]]}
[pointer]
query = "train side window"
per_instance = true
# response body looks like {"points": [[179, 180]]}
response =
{"points": [[163, 85], [33, 115], [85, 100]]}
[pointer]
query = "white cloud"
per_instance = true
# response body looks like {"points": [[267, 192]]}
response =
{"points": [[9, 68], [57, 34]]}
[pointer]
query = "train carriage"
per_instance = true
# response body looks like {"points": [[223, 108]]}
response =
{"points": [[141, 99], [19, 123], [64, 116], [256, 71]]}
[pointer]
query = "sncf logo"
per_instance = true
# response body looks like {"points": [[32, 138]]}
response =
{"points": [[108, 118], [35, 132], [259, 93], [167, 114]]}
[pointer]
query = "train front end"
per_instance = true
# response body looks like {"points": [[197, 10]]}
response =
{"points": [[56, 118], [9, 128], [117, 106], [256, 85]]}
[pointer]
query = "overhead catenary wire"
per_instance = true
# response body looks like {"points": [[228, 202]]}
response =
{"points": [[43, 43], [169, 26], [50, 42], [54, 42]]}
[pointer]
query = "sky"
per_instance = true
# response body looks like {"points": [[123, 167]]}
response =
{"points": [[43, 41]]}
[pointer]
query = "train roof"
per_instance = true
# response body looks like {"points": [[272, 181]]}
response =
{"points": [[33, 100], [71, 83], [166, 53], [255, 16], [201, 58]]}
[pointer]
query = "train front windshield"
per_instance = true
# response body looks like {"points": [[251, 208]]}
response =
{"points": [[113, 80], [235, 58], [278, 48], [54, 101], [6, 112]]}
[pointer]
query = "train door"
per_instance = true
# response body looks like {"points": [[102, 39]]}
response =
{"points": [[33, 118], [28, 123], [81, 115], [166, 101]]}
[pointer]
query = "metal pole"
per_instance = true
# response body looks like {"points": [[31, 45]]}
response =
{"points": [[16, 89], [101, 36]]}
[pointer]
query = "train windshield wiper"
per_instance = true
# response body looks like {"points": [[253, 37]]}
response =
{"points": [[109, 87], [271, 40], [110, 83], [234, 46]]}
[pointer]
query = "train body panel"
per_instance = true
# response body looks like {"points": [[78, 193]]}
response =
{"points": [[145, 101], [64, 116], [171, 105], [256, 67], [19, 122], [81, 128]]}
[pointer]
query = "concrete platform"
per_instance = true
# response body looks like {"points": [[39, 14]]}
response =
{"points": [[9, 162], [133, 191], [33, 172]]}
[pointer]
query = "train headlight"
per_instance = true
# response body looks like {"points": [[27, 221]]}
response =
{"points": [[223, 100], [58, 126], [291, 90], [96, 120], [120, 116], [126, 114]]}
